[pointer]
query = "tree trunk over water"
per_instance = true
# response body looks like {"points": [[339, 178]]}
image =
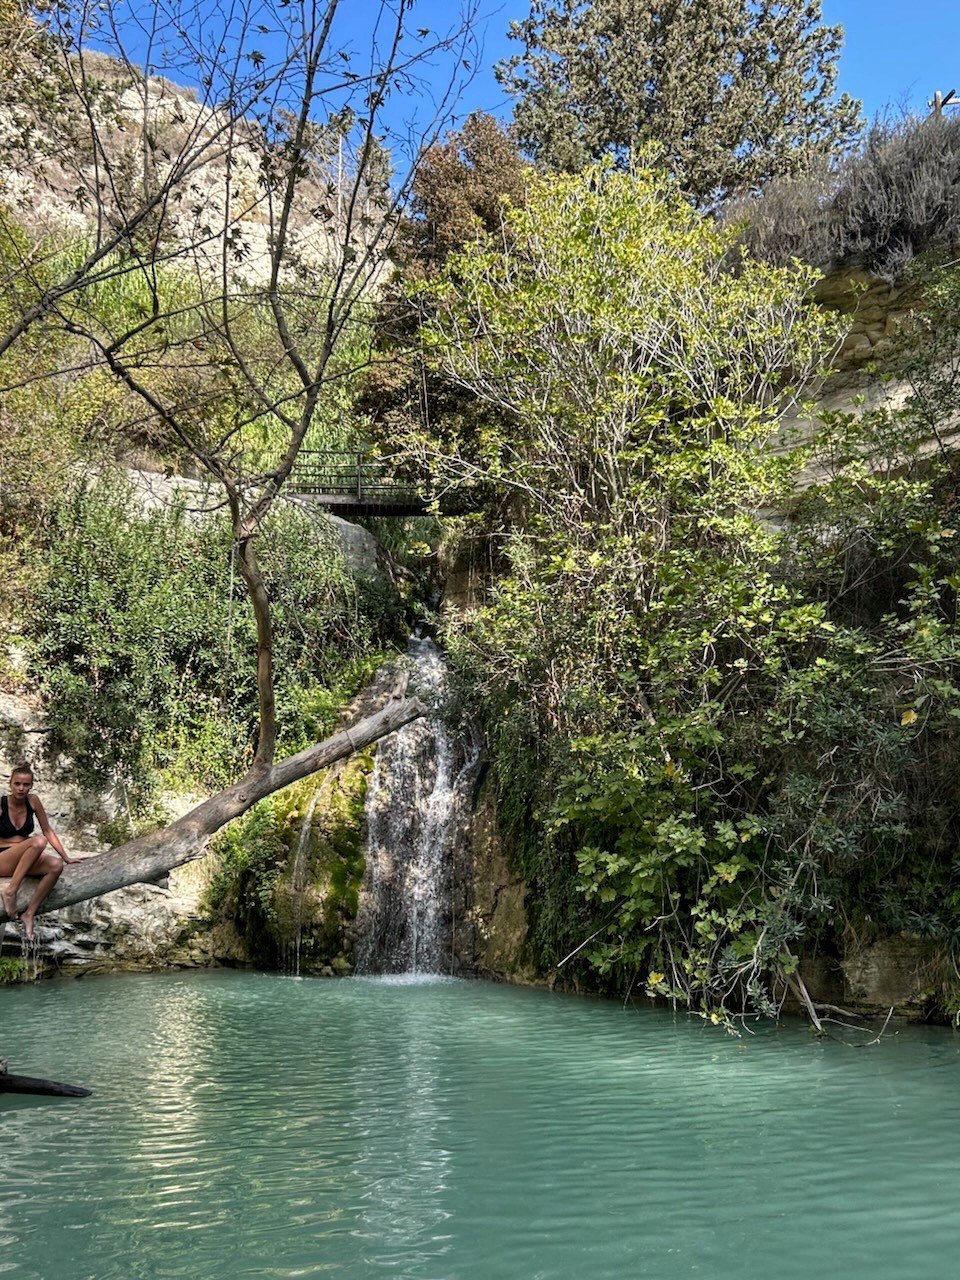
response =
{"points": [[10, 1083], [150, 857]]}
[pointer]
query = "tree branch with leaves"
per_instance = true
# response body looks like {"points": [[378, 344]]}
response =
{"points": [[730, 91], [255, 215]]}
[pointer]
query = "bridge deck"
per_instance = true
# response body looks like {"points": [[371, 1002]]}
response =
{"points": [[351, 484]]}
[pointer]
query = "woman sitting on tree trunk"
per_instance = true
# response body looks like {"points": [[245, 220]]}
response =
{"points": [[24, 854]]}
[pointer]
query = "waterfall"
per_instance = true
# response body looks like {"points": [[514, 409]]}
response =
{"points": [[298, 885], [417, 807]]}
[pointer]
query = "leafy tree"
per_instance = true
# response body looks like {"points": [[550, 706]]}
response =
{"points": [[714, 738], [636, 381], [732, 91], [461, 191], [269, 192], [461, 185]]}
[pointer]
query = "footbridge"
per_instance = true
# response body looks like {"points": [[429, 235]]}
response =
{"points": [[355, 484]]}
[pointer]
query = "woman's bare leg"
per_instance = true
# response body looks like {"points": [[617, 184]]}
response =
{"points": [[9, 899], [50, 868], [29, 855], [8, 864]]}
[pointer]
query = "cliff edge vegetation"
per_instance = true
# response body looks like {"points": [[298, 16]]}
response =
{"points": [[722, 716]]}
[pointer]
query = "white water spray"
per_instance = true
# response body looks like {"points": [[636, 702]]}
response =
{"points": [[298, 888], [417, 807]]}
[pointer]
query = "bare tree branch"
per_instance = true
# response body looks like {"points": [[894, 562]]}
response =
{"points": [[232, 197]]}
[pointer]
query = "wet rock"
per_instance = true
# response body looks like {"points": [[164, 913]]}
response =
{"points": [[498, 919]]}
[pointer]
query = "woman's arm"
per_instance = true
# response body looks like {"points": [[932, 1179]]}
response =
{"points": [[48, 831]]}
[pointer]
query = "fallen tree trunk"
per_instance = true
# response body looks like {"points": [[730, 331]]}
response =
{"points": [[150, 857], [10, 1083]]}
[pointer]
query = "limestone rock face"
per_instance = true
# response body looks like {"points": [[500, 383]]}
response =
{"points": [[466, 576], [498, 911], [359, 548], [875, 308], [874, 975], [893, 972], [219, 207], [142, 926], [859, 383], [75, 814]]}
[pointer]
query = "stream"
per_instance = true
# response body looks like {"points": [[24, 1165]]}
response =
{"points": [[418, 804]]}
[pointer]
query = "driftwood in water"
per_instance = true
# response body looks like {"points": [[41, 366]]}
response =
{"points": [[148, 858], [10, 1083]]}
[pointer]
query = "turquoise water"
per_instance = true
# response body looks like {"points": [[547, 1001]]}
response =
{"points": [[248, 1125]]}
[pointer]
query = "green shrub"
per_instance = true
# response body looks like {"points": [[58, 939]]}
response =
{"points": [[714, 739], [11, 969], [142, 642], [255, 858]]}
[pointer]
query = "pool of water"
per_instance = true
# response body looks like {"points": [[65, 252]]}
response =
{"points": [[249, 1125]]}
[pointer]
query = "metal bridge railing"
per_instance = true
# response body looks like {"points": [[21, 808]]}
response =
{"points": [[342, 474]]}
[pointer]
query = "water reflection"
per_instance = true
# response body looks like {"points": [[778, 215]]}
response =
{"points": [[247, 1125], [403, 1165]]}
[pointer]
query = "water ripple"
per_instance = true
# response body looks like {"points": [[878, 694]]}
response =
{"points": [[248, 1126]]}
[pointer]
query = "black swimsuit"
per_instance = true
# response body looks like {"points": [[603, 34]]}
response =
{"points": [[7, 829]]}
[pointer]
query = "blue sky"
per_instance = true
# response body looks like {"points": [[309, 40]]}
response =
{"points": [[895, 51]]}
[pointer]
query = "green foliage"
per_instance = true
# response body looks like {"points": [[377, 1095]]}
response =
{"points": [[37, 444], [220, 378], [250, 856], [731, 92], [217, 389], [289, 871], [625, 355], [143, 643], [11, 970], [877, 541], [714, 738]]}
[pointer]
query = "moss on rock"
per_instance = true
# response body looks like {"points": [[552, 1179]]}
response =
{"points": [[289, 872]]}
